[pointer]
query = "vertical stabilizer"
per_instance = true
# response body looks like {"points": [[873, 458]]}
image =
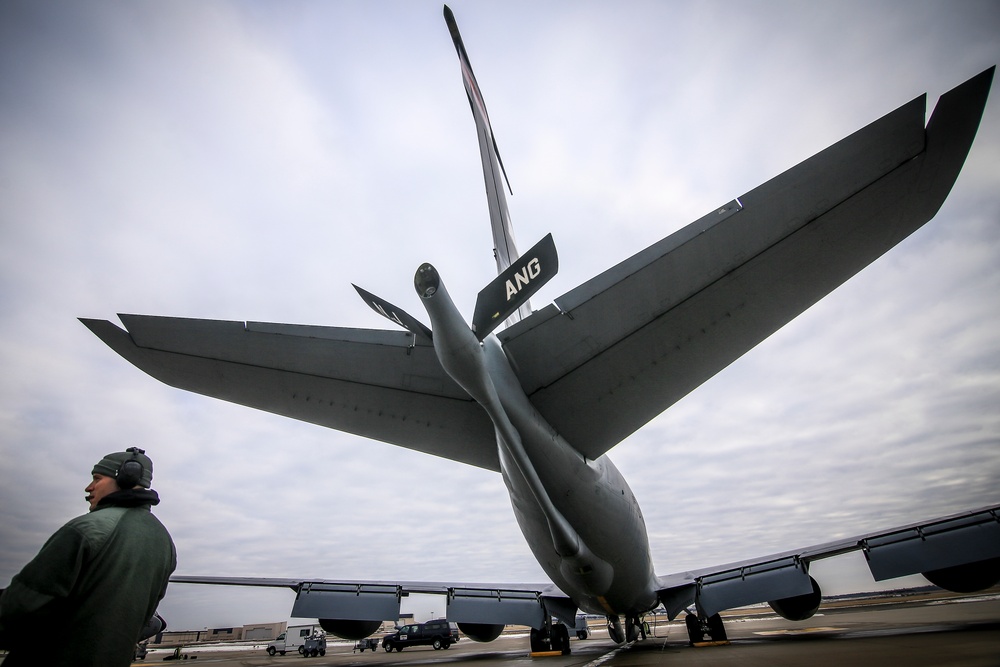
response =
{"points": [[504, 248]]}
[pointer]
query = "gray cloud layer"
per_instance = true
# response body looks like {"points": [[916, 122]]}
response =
{"points": [[248, 161]]}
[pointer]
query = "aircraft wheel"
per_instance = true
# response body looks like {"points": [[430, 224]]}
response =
{"points": [[695, 634], [716, 630], [560, 638]]}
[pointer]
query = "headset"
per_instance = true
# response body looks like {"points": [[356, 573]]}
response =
{"points": [[130, 472]]}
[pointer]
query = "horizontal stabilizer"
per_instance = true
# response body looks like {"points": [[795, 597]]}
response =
{"points": [[383, 385], [621, 348], [397, 315], [512, 288]]}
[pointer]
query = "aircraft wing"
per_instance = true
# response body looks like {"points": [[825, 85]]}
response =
{"points": [[377, 601], [384, 385], [930, 548], [618, 350]]}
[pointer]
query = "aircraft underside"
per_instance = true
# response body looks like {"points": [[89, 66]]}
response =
{"points": [[541, 469]]}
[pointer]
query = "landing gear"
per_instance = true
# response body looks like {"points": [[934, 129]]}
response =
{"points": [[615, 630], [634, 629], [699, 628], [550, 639]]}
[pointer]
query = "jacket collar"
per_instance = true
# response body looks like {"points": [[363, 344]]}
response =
{"points": [[129, 498]]}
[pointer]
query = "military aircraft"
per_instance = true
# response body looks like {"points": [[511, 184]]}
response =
{"points": [[541, 396]]}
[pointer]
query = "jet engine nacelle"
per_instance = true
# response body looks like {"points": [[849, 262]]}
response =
{"points": [[481, 632], [799, 607], [348, 628], [967, 578]]}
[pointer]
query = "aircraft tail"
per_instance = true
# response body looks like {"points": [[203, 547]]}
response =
{"points": [[504, 247]]}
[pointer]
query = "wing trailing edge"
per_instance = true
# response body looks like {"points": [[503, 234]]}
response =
{"points": [[618, 350], [383, 385], [379, 600], [950, 542]]}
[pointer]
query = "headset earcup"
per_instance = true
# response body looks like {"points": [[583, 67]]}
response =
{"points": [[129, 474]]}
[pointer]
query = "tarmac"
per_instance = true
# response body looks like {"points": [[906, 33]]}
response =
{"points": [[940, 629]]}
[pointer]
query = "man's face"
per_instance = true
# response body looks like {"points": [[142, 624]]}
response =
{"points": [[101, 486]]}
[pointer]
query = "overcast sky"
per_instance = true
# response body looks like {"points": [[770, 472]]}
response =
{"points": [[249, 160]]}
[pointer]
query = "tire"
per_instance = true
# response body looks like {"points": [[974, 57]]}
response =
{"points": [[271, 651], [302, 650], [437, 644], [695, 634], [447, 645], [560, 638], [281, 652], [716, 630], [387, 646], [322, 652]]}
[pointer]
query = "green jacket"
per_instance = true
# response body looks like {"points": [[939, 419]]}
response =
{"points": [[85, 597]]}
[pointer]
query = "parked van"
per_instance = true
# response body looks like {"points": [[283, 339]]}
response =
{"points": [[293, 639]]}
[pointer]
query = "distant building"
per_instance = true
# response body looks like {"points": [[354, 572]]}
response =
{"points": [[176, 638], [255, 632], [224, 634], [263, 631]]}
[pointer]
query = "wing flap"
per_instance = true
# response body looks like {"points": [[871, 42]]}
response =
{"points": [[956, 540], [503, 604], [621, 348], [375, 384]]}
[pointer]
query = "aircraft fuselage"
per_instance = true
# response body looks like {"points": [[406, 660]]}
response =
{"points": [[579, 517]]}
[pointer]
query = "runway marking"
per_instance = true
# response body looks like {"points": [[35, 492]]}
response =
{"points": [[610, 654], [974, 598], [802, 631]]}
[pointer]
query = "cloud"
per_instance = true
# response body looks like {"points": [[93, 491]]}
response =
{"points": [[249, 161]]}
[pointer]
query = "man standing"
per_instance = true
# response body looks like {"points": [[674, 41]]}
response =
{"points": [[87, 595]]}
